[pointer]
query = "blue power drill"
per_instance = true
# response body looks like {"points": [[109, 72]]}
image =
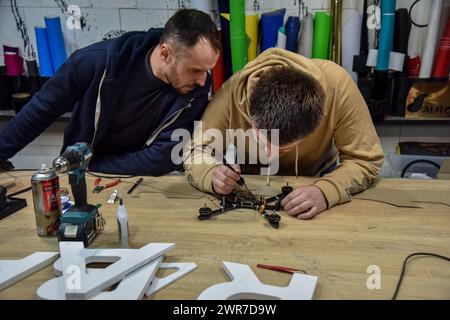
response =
{"points": [[82, 222]]}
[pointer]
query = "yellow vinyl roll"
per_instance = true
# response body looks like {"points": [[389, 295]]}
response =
{"points": [[251, 27]]}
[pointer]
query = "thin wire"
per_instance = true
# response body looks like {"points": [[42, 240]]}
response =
{"points": [[400, 280], [108, 177]]}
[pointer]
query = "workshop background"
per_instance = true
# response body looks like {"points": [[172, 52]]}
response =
{"points": [[106, 19]]}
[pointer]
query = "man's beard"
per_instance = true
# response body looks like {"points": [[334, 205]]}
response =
{"points": [[174, 80]]}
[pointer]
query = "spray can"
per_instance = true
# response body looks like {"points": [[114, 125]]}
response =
{"points": [[122, 221], [47, 201]]}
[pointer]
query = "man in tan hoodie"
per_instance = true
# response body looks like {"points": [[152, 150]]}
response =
{"points": [[324, 130]]}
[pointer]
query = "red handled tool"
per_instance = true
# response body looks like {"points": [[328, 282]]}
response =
{"points": [[98, 188], [280, 269]]}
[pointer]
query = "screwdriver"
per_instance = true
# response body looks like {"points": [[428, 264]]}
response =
{"points": [[241, 180]]}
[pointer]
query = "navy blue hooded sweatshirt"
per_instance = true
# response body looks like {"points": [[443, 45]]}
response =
{"points": [[89, 85]]}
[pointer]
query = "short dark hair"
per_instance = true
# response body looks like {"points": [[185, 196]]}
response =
{"points": [[188, 26], [287, 99]]}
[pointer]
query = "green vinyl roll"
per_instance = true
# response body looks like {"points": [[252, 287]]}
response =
{"points": [[321, 39], [238, 37]]}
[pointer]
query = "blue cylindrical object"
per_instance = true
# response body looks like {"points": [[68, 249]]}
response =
{"points": [[292, 29], [55, 41], [45, 58], [270, 23], [386, 34]]}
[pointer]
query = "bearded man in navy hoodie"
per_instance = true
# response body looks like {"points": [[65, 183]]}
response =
{"points": [[126, 95]]}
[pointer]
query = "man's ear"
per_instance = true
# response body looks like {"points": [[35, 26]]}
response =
{"points": [[165, 52]]}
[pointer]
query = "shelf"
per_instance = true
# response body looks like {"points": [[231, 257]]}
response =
{"points": [[412, 121]]}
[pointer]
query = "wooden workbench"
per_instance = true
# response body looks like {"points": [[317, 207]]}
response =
{"points": [[337, 246]]}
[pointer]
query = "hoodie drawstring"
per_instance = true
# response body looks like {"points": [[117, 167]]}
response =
{"points": [[296, 161]]}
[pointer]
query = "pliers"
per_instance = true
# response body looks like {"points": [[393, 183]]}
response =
{"points": [[98, 188]]}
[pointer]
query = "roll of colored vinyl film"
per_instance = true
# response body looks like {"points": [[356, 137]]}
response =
{"points": [[218, 70], [32, 67], [372, 23], [224, 6], [251, 28], [238, 36], [402, 31], [351, 42], [322, 29], [413, 66], [281, 39], [43, 50], [431, 41], [420, 15], [14, 64], [442, 63], [401, 36], [292, 31], [386, 34], [305, 41], [226, 44], [270, 23], [55, 41]]}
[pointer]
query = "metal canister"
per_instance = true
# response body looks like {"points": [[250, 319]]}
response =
{"points": [[47, 201]]}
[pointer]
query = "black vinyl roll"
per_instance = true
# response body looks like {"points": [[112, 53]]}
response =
{"points": [[5, 90], [402, 83], [32, 68], [402, 31], [224, 7], [364, 46]]}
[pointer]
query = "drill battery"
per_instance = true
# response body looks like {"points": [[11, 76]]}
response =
{"points": [[76, 225]]}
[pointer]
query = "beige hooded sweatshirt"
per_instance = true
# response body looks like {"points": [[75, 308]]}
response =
{"points": [[346, 133]]}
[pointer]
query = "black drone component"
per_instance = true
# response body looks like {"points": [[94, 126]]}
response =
{"points": [[274, 219], [204, 213], [232, 202], [286, 190]]}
